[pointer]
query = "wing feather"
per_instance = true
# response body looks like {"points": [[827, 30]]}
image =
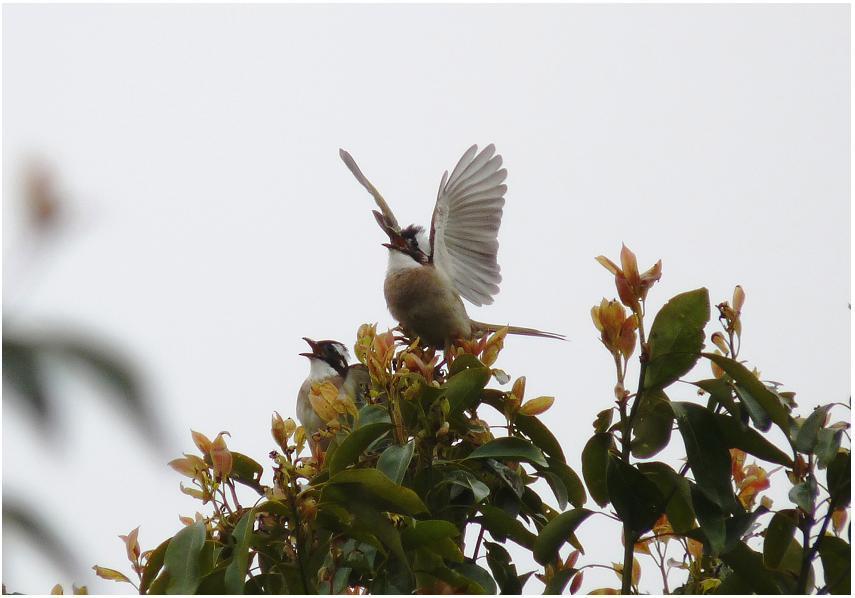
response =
{"points": [[466, 221]]}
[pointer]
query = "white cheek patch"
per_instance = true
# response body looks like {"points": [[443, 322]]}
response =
{"points": [[401, 261], [342, 350], [320, 370]]}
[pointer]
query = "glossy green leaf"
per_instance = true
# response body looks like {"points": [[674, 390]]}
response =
{"points": [[839, 478], [758, 414], [504, 571], [476, 574], [778, 535], [395, 460], [636, 499], [376, 487], [464, 388], [652, 426], [595, 459], [509, 447], [355, 444], [748, 564], [426, 532], [677, 337], [836, 558], [604, 420], [745, 379], [373, 414], [540, 435], [806, 437], [559, 581], [804, 494], [572, 482], [182, 559], [675, 489], [557, 486], [153, 565], [246, 471], [464, 362], [736, 435], [501, 526], [555, 533], [708, 457], [711, 519], [235, 574], [827, 444], [720, 392], [215, 583], [468, 481]]}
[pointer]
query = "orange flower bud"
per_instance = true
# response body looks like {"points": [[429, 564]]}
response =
{"points": [[280, 431], [201, 441], [838, 519], [577, 582], [631, 286], [221, 456], [132, 545], [537, 406], [518, 389], [183, 466], [719, 341], [696, 549], [738, 299]]}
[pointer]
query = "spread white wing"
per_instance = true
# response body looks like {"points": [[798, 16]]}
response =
{"points": [[466, 221]]}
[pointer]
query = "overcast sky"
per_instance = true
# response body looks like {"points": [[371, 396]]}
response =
{"points": [[213, 224]]}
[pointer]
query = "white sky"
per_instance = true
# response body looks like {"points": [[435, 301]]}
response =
{"points": [[214, 224]]}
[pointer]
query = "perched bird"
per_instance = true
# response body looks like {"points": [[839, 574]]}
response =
{"points": [[429, 272], [328, 362]]}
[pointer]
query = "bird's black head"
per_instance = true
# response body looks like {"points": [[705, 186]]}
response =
{"points": [[333, 353]]}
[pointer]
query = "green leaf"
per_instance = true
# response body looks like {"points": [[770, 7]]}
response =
{"points": [[806, 437], [557, 486], [759, 416], [23, 370], [804, 494], [395, 460], [747, 381], [720, 393], [464, 388], [374, 486], [595, 460], [675, 489], [465, 361], [559, 581], [748, 564], [501, 526], [182, 559], [540, 435], [736, 435], [504, 571], [235, 575], [575, 489], [153, 565], [836, 558], [465, 479], [509, 447], [604, 420], [246, 471], [827, 444], [636, 499], [372, 414], [478, 575], [708, 457], [355, 444], [214, 583], [652, 427], [839, 479], [676, 338], [556, 532], [425, 532], [778, 536], [711, 519]]}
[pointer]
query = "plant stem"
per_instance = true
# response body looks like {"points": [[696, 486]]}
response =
{"points": [[629, 536], [810, 554]]}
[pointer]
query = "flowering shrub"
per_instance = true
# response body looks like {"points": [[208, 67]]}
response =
{"points": [[386, 507]]}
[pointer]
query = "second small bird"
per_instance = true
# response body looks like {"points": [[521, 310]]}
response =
{"points": [[429, 272]]}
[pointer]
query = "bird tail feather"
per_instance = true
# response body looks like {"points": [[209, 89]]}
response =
{"points": [[520, 330]]}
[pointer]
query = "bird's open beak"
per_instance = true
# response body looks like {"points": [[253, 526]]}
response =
{"points": [[314, 347], [396, 241]]}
